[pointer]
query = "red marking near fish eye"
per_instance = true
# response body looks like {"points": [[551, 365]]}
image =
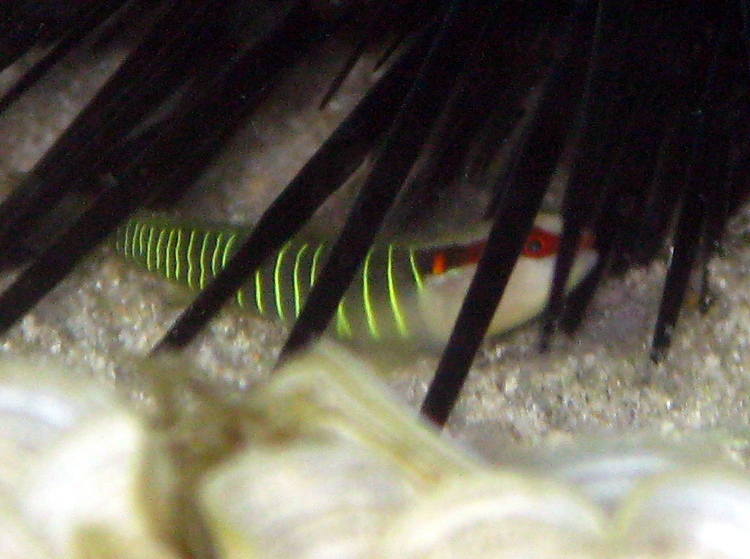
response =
{"points": [[438, 263], [450, 257], [473, 252], [540, 244]]}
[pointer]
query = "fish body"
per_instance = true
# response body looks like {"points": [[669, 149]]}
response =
{"points": [[405, 290]]}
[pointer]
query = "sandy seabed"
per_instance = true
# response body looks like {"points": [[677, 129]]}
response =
{"points": [[600, 382]]}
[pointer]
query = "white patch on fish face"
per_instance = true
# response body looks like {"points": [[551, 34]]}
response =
{"points": [[525, 296]]}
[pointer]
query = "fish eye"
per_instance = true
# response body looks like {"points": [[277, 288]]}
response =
{"points": [[540, 244], [532, 247]]}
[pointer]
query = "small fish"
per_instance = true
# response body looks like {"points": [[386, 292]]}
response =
{"points": [[405, 290]]}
